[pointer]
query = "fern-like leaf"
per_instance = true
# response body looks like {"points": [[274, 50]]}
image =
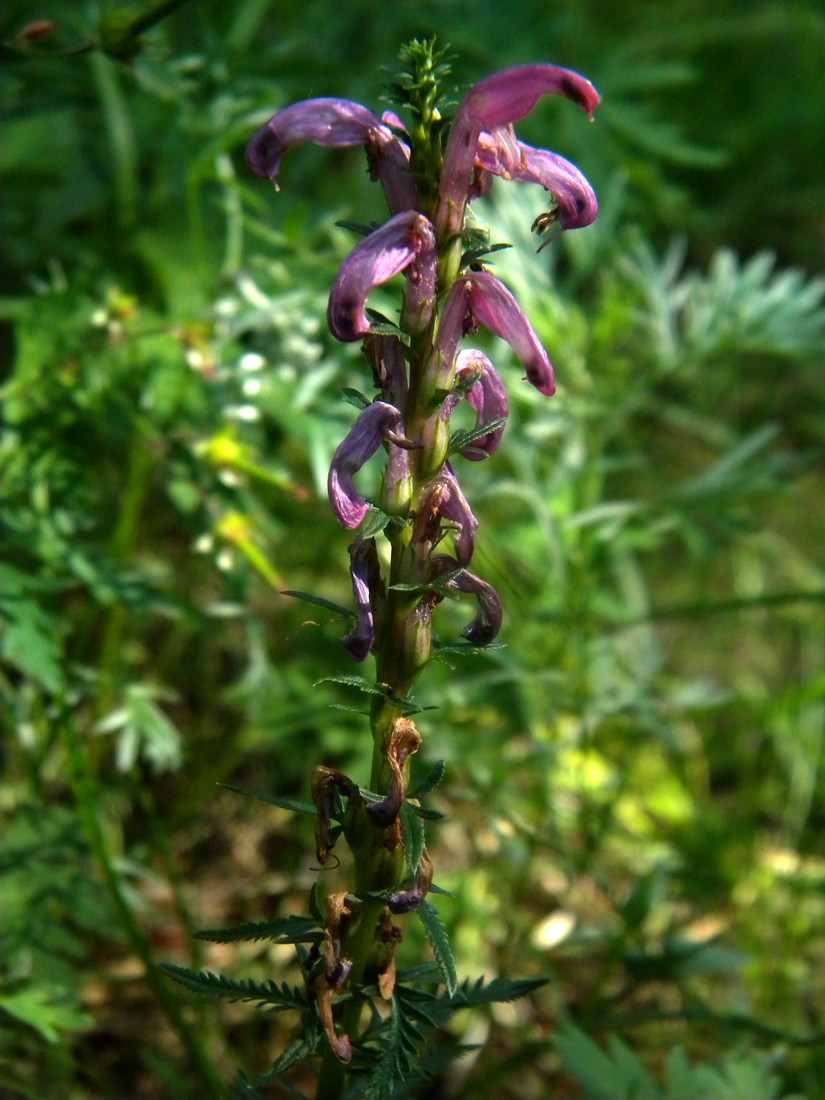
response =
{"points": [[291, 929], [437, 935], [275, 800], [460, 441], [472, 994], [412, 831], [400, 1038], [319, 601], [276, 997], [431, 781], [297, 1051]]}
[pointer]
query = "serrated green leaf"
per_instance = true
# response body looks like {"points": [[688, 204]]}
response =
{"points": [[374, 523], [465, 649], [319, 601], [421, 972], [406, 706], [434, 889], [297, 1051], [412, 831], [383, 326], [401, 1036], [292, 929], [277, 997], [274, 800], [356, 398], [431, 781], [357, 682], [439, 941], [427, 814], [472, 994], [459, 441], [476, 254], [381, 329]]}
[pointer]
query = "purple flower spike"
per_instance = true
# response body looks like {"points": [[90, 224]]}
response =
{"points": [[366, 585], [493, 306], [338, 123], [404, 240], [492, 104], [365, 437], [501, 154], [487, 396]]}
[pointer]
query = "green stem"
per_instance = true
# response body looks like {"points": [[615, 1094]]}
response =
{"points": [[120, 134], [86, 796]]}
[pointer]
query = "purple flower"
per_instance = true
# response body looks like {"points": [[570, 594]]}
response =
{"points": [[480, 298], [406, 901], [494, 306], [487, 396], [367, 588], [375, 424], [406, 241], [336, 122], [444, 500], [503, 155], [493, 105], [487, 623]]}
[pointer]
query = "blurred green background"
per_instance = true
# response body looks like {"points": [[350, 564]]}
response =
{"points": [[634, 789]]}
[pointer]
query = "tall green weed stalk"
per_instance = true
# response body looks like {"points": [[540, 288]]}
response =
{"points": [[365, 1018]]}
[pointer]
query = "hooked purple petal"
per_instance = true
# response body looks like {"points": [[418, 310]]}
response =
{"points": [[493, 103], [395, 246], [366, 586], [405, 901], [335, 122], [510, 94], [365, 437], [493, 306], [453, 506], [487, 623], [498, 152], [339, 123], [487, 396]]}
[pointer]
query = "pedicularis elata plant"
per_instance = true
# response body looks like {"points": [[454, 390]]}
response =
{"points": [[430, 172]]}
